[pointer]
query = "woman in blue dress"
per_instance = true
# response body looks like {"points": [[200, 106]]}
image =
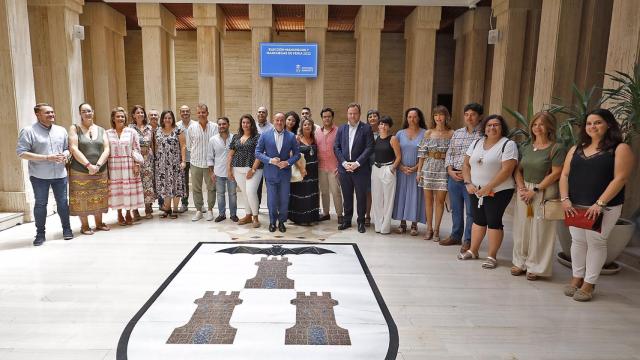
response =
{"points": [[409, 202]]}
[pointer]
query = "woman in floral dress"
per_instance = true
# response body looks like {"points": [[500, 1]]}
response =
{"points": [[145, 135], [171, 158], [125, 187], [432, 174]]}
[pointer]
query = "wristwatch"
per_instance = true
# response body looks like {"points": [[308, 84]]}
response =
{"points": [[601, 203], [535, 189]]}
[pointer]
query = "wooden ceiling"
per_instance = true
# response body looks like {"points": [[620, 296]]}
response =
{"points": [[291, 17]]}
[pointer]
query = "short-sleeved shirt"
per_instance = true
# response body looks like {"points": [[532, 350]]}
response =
{"points": [[536, 164], [42, 140], [485, 164], [245, 154]]}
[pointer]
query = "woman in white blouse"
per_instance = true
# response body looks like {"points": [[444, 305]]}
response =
{"points": [[488, 177]]}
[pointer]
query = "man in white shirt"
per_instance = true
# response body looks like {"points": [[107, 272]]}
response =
{"points": [[183, 125], [217, 159], [198, 135]]}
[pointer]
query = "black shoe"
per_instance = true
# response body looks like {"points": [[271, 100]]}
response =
{"points": [[340, 219], [234, 218], [361, 228], [324, 218], [39, 240], [272, 227], [67, 234], [344, 225], [220, 218], [281, 227]]}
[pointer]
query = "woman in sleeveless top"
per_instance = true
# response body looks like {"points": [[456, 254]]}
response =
{"points": [[536, 177], [145, 136], [387, 157], [304, 197], [88, 178], [593, 177], [432, 174]]}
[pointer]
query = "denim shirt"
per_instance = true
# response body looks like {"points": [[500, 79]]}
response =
{"points": [[41, 140]]}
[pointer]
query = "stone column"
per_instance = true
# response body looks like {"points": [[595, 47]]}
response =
{"points": [[315, 30], [17, 98], [158, 34], [369, 23], [557, 51], [420, 34], [261, 22], [103, 60], [63, 70], [624, 52], [514, 54], [470, 33], [210, 23]]}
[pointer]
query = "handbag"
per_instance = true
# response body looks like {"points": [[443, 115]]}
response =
{"points": [[551, 204], [296, 175], [580, 220]]}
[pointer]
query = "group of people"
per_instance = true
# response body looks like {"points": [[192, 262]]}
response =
{"points": [[406, 176]]}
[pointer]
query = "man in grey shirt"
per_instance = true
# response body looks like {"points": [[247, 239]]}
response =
{"points": [[46, 147]]}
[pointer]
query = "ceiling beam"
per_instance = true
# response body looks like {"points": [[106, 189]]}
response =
{"points": [[463, 3]]}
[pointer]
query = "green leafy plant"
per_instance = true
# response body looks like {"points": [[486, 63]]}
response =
{"points": [[626, 101], [575, 113]]}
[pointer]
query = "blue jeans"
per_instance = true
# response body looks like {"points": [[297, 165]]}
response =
{"points": [[224, 185], [460, 204], [41, 194]]}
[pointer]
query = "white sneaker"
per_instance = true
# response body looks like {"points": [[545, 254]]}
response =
{"points": [[182, 209], [209, 215], [197, 216]]}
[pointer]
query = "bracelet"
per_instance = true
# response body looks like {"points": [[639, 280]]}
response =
{"points": [[564, 198], [87, 165], [467, 183], [99, 165]]}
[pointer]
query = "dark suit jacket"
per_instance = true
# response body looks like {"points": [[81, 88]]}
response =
{"points": [[267, 149], [360, 151]]}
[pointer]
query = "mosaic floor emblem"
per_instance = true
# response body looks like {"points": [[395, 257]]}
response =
{"points": [[264, 301]]}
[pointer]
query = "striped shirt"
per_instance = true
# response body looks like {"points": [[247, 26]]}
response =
{"points": [[198, 142], [458, 146]]}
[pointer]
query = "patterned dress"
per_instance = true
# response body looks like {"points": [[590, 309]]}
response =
{"points": [[304, 198], [169, 175], [125, 189], [409, 200], [145, 137], [434, 173]]}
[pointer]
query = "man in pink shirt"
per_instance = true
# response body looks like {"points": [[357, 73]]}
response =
{"points": [[328, 165]]}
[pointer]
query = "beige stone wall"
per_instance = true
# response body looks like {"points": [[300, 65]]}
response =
{"points": [[339, 81], [237, 75], [187, 71], [40, 50], [290, 93], [391, 89], [443, 78], [133, 66]]}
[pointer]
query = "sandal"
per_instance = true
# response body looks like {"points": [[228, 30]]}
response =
{"points": [[102, 227], [367, 221], [467, 255], [428, 235], [172, 215], [436, 235], [532, 277], [401, 229], [414, 230], [490, 263], [516, 271], [121, 220], [86, 231]]}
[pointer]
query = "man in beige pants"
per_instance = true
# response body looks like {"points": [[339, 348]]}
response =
{"points": [[328, 165]]}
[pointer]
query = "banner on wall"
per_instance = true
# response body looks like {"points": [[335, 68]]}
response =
{"points": [[289, 60]]}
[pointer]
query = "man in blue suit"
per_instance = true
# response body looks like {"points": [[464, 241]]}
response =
{"points": [[278, 150], [353, 146]]}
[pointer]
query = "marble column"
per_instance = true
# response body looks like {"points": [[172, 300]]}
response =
{"points": [[17, 98], [59, 56], [369, 23], [158, 33], [557, 51], [261, 22], [514, 55], [420, 35], [623, 53], [103, 60], [315, 30], [470, 33], [210, 23]]}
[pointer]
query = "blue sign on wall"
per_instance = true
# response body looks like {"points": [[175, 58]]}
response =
{"points": [[289, 60]]}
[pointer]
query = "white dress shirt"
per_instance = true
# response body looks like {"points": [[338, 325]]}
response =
{"points": [[279, 136], [217, 154], [198, 141]]}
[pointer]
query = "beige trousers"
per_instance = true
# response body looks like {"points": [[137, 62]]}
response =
{"points": [[383, 192], [533, 237], [330, 185], [249, 188]]}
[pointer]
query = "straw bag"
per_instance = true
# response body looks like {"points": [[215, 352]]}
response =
{"points": [[296, 175]]}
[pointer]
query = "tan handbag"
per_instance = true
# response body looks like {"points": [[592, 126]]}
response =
{"points": [[296, 175], [551, 203]]}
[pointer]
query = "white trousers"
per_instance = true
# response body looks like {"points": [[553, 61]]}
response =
{"points": [[533, 237], [249, 188], [383, 192], [330, 185], [589, 248]]}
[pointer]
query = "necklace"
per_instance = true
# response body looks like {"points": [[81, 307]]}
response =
{"points": [[87, 131], [541, 147]]}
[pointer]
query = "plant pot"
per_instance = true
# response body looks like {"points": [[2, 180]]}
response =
{"points": [[618, 239]]}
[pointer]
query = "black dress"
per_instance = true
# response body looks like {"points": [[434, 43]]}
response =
{"points": [[304, 200]]}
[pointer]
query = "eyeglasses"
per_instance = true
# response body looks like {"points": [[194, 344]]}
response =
{"points": [[493, 125]]}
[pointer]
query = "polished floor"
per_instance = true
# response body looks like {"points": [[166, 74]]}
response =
{"points": [[72, 299]]}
